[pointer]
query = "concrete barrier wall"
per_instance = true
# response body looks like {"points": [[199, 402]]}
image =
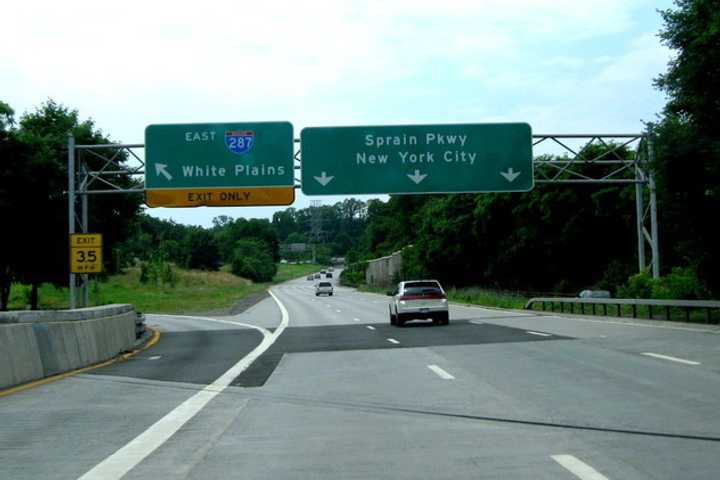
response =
{"points": [[19, 355], [31, 349], [382, 272]]}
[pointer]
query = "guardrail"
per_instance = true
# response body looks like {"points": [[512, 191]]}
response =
{"points": [[619, 303]]}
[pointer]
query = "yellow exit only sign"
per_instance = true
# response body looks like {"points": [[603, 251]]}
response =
{"points": [[85, 252]]}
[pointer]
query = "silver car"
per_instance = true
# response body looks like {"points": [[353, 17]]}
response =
{"points": [[323, 287], [419, 300]]}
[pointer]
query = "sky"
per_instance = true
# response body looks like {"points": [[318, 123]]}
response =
{"points": [[563, 66]]}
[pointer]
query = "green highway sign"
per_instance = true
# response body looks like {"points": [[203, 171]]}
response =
{"points": [[417, 159], [218, 156]]}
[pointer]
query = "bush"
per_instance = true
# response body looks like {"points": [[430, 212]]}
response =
{"points": [[639, 285], [253, 259], [157, 271], [353, 275], [680, 284]]}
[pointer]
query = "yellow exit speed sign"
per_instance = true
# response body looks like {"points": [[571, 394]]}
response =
{"points": [[85, 252]]}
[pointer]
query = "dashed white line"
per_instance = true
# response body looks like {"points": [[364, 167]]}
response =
{"points": [[356, 319], [440, 372], [578, 468], [538, 333], [370, 327], [155, 357], [477, 322], [672, 359], [392, 340], [338, 311]]}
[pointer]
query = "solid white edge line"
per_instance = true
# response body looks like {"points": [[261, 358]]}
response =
{"points": [[672, 359], [440, 372], [370, 327], [392, 340], [578, 468], [538, 333], [126, 458]]}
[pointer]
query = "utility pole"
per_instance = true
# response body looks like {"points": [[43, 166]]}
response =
{"points": [[315, 226]]}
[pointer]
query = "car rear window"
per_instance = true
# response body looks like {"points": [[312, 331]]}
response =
{"points": [[325, 284], [422, 288]]}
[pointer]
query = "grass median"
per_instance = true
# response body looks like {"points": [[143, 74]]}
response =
{"points": [[195, 291]]}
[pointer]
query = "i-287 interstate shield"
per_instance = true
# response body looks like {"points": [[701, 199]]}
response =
{"points": [[417, 159]]}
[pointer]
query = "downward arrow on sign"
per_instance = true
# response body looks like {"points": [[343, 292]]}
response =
{"points": [[417, 178], [510, 175], [323, 179], [161, 169]]}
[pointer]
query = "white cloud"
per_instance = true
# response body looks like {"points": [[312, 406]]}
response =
{"points": [[131, 63]]}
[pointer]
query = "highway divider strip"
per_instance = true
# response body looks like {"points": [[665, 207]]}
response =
{"points": [[155, 337], [126, 458]]}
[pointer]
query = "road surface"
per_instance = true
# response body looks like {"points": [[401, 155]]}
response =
{"points": [[324, 388]]}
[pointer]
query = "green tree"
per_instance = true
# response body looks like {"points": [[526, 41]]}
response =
{"points": [[201, 250], [687, 164], [253, 259], [34, 184]]}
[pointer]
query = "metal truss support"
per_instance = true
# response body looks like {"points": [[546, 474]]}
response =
{"points": [[610, 168], [576, 167], [83, 181]]}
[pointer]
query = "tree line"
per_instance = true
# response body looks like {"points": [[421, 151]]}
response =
{"points": [[249, 247]]}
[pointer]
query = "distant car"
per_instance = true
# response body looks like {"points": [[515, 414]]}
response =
{"points": [[331, 269], [317, 276], [594, 294], [323, 272], [323, 287], [419, 300], [328, 275], [310, 277]]}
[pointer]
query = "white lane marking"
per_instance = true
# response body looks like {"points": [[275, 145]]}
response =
{"points": [[672, 359], [538, 333], [356, 319], [371, 327], [155, 357], [125, 459], [392, 340], [440, 372], [578, 468], [338, 311], [477, 322]]}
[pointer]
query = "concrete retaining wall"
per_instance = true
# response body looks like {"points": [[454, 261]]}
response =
{"points": [[37, 344], [384, 271]]}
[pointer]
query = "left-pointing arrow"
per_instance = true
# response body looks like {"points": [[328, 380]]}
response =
{"points": [[161, 169]]}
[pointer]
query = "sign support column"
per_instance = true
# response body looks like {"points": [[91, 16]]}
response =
{"points": [[71, 210], [84, 209]]}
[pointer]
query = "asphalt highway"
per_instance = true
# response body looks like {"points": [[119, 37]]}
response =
{"points": [[300, 386]]}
